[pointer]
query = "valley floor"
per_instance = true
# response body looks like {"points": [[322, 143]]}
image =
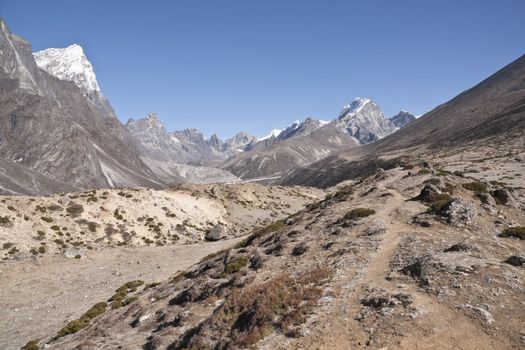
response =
{"points": [[39, 295]]}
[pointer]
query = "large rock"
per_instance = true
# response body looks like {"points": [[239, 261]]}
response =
{"points": [[458, 212], [216, 233], [428, 193], [486, 198], [503, 196]]}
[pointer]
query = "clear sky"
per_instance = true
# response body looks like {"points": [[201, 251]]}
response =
{"points": [[225, 66]]}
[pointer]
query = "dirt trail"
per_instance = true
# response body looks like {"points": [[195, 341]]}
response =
{"points": [[49, 291], [437, 327]]}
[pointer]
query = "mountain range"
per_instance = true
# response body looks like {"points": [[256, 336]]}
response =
{"points": [[62, 132]]}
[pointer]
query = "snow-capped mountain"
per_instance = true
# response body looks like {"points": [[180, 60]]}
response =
{"points": [[364, 120], [70, 64]]}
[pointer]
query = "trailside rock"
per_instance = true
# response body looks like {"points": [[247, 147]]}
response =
{"points": [[216, 233], [458, 212]]}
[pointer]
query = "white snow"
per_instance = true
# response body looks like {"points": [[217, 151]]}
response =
{"points": [[274, 132], [69, 64]]}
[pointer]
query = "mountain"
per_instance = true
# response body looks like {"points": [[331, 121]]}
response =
{"points": [[187, 146], [492, 112], [48, 126], [364, 120], [401, 119], [271, 158], [302, 143]]}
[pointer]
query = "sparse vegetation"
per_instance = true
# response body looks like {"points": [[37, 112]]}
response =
{"points": [[32, 345], [84, 320], [4, 220], [476, 186], [281, 304], [518, 232], [359, 213], [235, 265]]}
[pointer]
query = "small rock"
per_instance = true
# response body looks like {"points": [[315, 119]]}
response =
{"points": [[515, 260]]}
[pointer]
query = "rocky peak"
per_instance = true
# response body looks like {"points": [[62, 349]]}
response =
{"points": [[70, 64], [364, 120], [402, 118]]}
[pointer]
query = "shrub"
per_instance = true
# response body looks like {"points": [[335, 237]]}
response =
{"points": [[438, 202], [46, 219], [424, 172], [75, 210], [55, 228], [84, 320], [129, 300], [10, 207], [281, 304], [235, 265], [358, 213], [476, 186], [32, 345], [7, 245], [4, 220], [92, 226], [518, 232]]}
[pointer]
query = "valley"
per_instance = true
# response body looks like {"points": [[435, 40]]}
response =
{"points": [[361, 231]]}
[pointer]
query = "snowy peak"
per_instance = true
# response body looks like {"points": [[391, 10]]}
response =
{"points": [[357, 104], [364, 120], [70, 64]]}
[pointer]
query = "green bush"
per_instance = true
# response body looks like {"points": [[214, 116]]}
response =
{"points": [[518, 232], [235, 265], [358, 213], [84, 320]]}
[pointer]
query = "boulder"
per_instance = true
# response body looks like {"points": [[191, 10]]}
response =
{"points": [[515, 260], [503, 196], [216, 233], [458, 212]]}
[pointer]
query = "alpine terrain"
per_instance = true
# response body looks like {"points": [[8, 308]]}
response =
{"points": [[359, 232]]}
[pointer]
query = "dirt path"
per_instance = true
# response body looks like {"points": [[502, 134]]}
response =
{"points": [[438, 326], [37, 297]]}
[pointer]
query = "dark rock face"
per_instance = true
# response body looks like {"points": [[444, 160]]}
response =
{"points": [[402, 118], [48, 126]]}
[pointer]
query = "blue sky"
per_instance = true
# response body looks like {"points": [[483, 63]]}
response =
{"points": [[225, 66]]}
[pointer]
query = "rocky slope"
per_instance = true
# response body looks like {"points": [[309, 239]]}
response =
{"points": [[412, 257], [49, 127], [97, 219], [490, 112], [275, 158], [56, 250]]}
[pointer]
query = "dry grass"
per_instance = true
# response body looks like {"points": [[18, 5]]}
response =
{"points": [[248, 315]]}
